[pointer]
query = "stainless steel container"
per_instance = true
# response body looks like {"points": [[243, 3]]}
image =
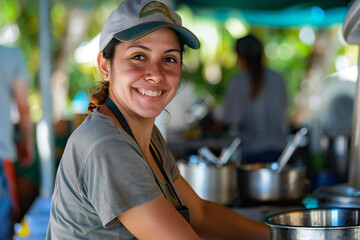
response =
{"points": [[317, 224], [257, 181], [217, 184]]}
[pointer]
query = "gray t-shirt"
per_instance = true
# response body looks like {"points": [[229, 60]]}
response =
{"points": [[102, 174], [12, 69], [262, 122]]}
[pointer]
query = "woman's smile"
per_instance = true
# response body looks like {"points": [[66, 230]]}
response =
{"points": [[149, 93]]}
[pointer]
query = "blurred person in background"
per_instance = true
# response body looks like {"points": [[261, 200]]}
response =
{"points": [[13, 92], [256, 104]]}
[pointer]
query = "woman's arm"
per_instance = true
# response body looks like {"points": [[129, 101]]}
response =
{"points": [[213, 221], [157, 219], [25, 146]]}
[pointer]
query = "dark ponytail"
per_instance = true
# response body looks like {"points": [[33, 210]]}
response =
{"points": [[250, 49]]}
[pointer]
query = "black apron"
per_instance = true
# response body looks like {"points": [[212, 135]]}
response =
{"points": [[184, 211]]}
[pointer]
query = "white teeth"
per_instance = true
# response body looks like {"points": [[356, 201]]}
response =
{"points": [[150, 93]]}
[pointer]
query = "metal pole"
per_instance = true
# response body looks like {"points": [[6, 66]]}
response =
{"points": [[45, 134], [351, 32], [354, 165]]}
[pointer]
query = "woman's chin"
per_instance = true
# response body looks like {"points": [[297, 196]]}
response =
{"points": [[150, 113]]}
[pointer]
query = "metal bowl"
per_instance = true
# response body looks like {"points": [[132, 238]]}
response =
{"points": [[318, 224]]}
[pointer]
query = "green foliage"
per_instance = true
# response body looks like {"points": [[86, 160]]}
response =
{"points": [[9, 11], [58, 16], [28, 42], [81, 78]]}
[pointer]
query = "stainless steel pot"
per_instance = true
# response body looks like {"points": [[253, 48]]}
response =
{"points": [[257, 181], [217, 184], [319, 224]]}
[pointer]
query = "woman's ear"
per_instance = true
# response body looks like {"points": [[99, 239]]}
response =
{"points": [[104, 66]]}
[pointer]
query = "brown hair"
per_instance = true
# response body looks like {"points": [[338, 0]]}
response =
{"points": [[101, 91]]}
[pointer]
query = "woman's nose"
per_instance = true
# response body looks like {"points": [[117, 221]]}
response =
{"points": [[154, 73]]}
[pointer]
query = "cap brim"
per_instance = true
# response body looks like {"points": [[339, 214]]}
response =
{"points": [[141, 30]]}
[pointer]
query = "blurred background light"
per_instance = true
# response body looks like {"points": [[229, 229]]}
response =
{"points": [[212, 73], [285, 51], [341, 62], [34, 101], [348, 74], [209, 38], [9, 34], [87, 52], [235, 27], [192, 63], [271, 50], [307, 35]]}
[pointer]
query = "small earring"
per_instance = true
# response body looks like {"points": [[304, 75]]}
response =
{"points": [[105, 75]]}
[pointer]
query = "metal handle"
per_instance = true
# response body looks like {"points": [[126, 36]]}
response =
{"points": [[289, 150]]}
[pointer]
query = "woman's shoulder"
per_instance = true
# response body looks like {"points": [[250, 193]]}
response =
{"points": [[239, 83], [95, 124], [273, 75], [95, 129]]}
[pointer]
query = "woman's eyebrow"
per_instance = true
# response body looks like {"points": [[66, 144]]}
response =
{"points": [[140, 46], [173, 50], [148, 49]]}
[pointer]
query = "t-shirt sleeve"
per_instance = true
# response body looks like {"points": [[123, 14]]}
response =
{"points": [[117, 178], [20, 72]]}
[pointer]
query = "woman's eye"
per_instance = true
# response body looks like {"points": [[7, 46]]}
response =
{"points": [[138, 57], [170, 60]]}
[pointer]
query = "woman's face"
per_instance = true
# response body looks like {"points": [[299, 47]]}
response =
{"points": [[145, 73]]}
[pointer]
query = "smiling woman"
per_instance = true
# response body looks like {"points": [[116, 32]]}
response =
{"points": [[145, 73], [117, 178]]}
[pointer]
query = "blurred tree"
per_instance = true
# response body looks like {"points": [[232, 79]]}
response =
{"points": [[76, 22]]}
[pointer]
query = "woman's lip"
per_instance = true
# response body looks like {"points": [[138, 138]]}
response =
{"points": [[149, 93]]}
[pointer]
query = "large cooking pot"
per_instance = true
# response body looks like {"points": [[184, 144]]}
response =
{"points": [[257, 181], [210, 182], [319, 224]]}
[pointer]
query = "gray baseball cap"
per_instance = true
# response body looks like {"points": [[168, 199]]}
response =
{"points": [[133, 19]]}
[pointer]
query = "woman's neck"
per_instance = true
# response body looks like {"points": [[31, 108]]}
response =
{"points": [[142, 130]]}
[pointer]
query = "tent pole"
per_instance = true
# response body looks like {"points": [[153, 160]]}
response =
{"points": [[45, 134]]}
